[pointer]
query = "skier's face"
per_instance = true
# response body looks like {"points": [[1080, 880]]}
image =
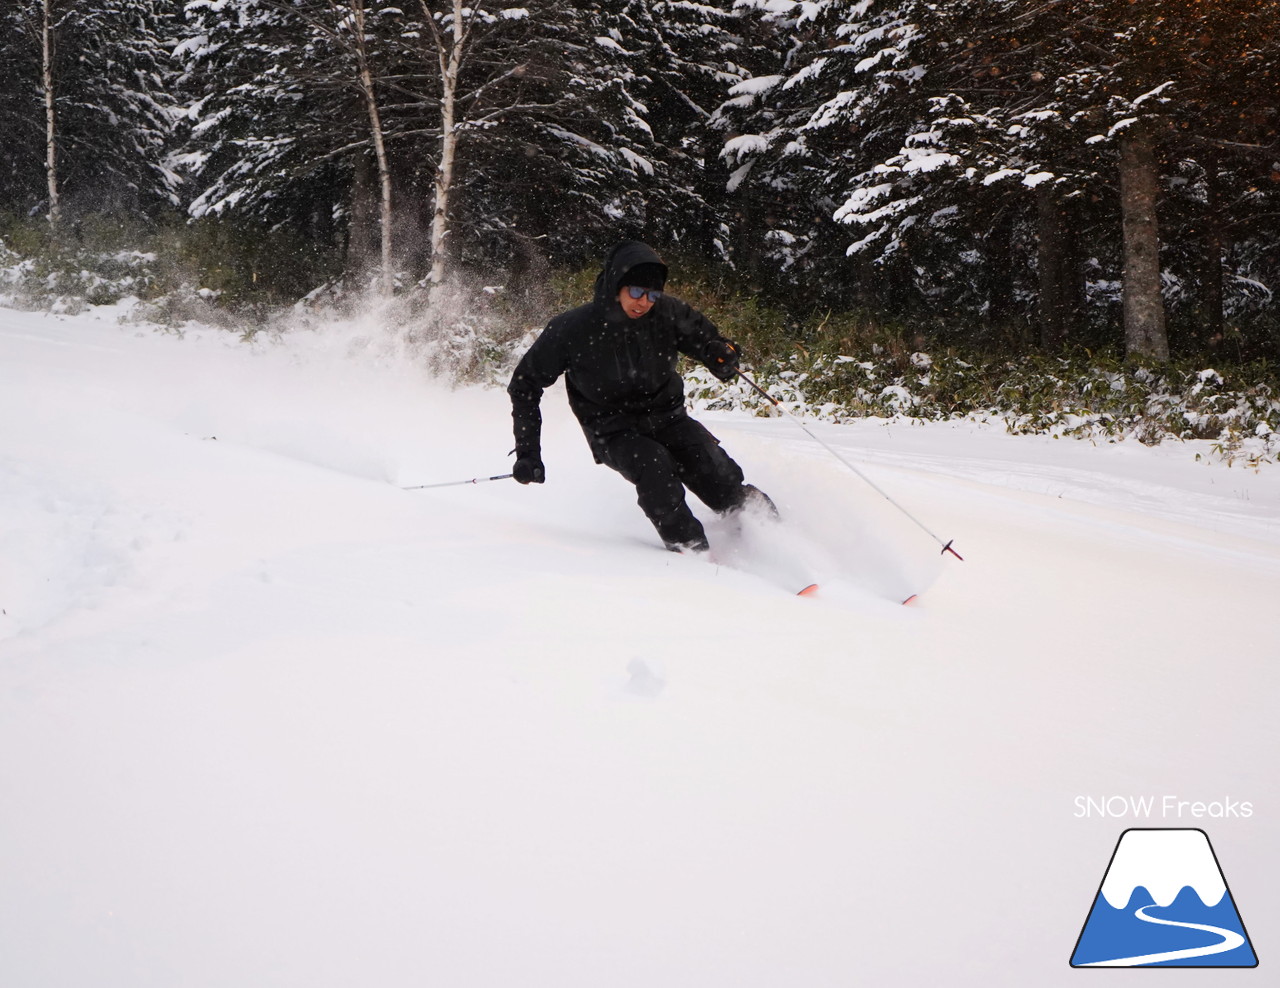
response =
{"points": [[635, 307]]}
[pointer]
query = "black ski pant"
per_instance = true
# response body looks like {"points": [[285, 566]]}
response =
{"points": [[664, 461]]}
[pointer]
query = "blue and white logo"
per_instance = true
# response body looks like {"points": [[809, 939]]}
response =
{"points": [[1164, 903]]}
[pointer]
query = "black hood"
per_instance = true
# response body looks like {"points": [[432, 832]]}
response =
{"points": [[625, 256]]}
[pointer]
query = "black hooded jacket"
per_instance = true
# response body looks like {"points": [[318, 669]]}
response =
{"points": [[620, 372]]}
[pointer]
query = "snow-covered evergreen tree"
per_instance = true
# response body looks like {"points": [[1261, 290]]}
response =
{"points": [[21, 119], [1149, 97], [279, 122], [758, 122], [85, 105], [514, 121], [951, 139], [818, 139], [678, 61], [550, 150]]}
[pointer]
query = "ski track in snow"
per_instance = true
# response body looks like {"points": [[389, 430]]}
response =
{"points": [[267, 719]]}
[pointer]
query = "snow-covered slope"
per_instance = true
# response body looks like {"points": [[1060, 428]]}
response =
{"points": [[267, 719]]}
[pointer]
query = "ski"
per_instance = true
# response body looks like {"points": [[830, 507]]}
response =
{"points": [[710, 556], [812, 591]]}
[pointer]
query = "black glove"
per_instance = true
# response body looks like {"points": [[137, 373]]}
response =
{"points": [[721, 357], [528, 469]]}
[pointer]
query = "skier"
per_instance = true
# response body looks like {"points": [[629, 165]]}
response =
{"points": [[618, 354]]}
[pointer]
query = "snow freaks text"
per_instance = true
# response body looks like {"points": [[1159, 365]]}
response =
{"points": [[1160, 807]]}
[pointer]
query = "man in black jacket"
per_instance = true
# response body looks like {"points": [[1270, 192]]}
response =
{"points": [[618, 354]]}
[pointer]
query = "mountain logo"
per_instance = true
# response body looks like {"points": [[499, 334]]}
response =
{"points": [[1163, 902]]}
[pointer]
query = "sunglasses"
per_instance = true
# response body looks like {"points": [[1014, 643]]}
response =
{"points": [[639, 293]]}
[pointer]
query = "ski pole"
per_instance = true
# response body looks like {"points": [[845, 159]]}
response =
{"points": [[459, 483], [946, 546]]}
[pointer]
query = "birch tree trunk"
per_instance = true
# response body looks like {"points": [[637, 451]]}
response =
{"points": [[51, 130], [1144, 317], [450, 66], [379, 144]]}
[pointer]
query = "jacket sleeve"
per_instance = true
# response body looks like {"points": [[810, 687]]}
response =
{"points": [[538, 369], [694, 331]]}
